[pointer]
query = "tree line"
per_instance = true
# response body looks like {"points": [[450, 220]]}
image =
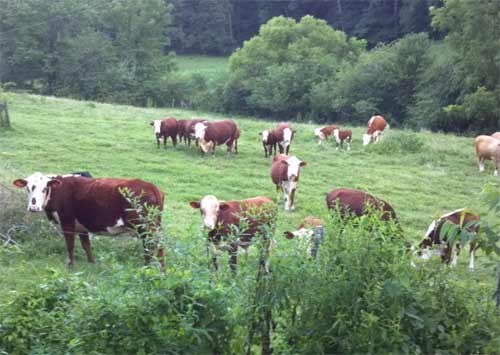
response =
{"points": [[423, 63]]}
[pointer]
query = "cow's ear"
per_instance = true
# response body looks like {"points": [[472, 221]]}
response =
{"points": [[223, 206], [20, 183], [54, 182], [303, 163], [195, 204], [289, 235]]}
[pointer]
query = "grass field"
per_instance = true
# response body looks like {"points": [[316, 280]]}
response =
{"points": [[203, 65], [59, 136]]}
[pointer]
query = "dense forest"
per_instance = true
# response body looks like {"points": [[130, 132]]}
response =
{"points": [[422, 63]]}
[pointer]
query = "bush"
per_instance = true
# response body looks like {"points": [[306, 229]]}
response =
{"points": [[404, 143]]}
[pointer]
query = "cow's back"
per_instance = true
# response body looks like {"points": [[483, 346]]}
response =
{"points": [[487, 146], [456, 217], [221, 131], [376, 123], [328, 130], [356, 201], [169, 126], [280, 127]]}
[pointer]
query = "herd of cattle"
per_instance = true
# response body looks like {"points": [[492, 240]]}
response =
{"points": [[81, 204]]}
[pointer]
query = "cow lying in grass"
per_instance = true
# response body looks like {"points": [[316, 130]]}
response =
{"points": [[310, 233]]}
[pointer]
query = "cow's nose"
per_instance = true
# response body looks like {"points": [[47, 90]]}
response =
{"points": [[34, 209]]}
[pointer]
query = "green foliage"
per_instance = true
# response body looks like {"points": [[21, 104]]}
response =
{"points": [[277, 70], [399, 143]]}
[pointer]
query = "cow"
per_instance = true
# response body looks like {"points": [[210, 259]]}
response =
{"points": [[496, 135], [359, 203], [376, 128], [164, 129], [463, 218], [245, 218], [284, 133], [269, 142], [81, 205], [310, 233], [324, 133], [487, 148], [185, 129], [341, 137], [285, 173], [211, 134]]}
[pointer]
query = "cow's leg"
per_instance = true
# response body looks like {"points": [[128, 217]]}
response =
{"points": [[348, 143], [280, 147], [274, 148], [85, 242], [69, 236], [235, 146], [480, 161], [147, 251], [265, 149], [158, 142], [287, 149], [292, 199], [233, 260], [164, 141], [471, 261], [174, 140], [287, 200], [495, 163], [455, 252]]}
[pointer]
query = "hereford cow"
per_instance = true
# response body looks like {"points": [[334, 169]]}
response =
{"points": [[84, 205], [310, 233], [350, 201], [165, 128], [376, 127], [224, 219], [284, 133], [488, 148], [269, 142], [285, 173], [463, 218], [185, 129], [341, 137], [211, 134], [324, 133]]}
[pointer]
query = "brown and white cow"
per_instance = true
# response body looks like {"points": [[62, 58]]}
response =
{"points": [[359, 203], [463, 218], [212, 134], [221, 218], [310, 234], [284, 133], [185, 129], [164, 129], [342, 137], [325, 132], [81, 205], [488, 148], [285, 173], [269, 142], [376, 128]]}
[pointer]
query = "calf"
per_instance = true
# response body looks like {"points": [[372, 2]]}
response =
{"points": [[285, 173], [310, 232], [376, 127], [324, 133], [488, 148], [83, 205], [269, 142], [250, 217], [341, 137], [350, 201], [284, 133], [165, 128], [463, 218], [211, 134]]}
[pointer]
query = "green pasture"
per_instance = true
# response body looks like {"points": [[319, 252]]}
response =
{"points": [[203, 65], [53, 135]]}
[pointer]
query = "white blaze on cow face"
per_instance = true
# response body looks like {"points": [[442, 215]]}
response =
{"points": [[287, 136], [157, 127], [38, 186], [366, 139], [265, 136], [209, 206], [199, 131], [294, 165]]}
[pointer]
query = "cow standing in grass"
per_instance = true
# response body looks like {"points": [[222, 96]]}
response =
{"points": [[269, 142], [463, 219], [164, 129], [284, 134], [376, 127], [342, 137], [185, 129], [81, 205], [325, 132], [488, 148], [211, 134], [285, 173], [233, 224]]}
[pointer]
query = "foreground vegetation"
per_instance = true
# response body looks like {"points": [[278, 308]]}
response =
{"points": [[362, 295]]}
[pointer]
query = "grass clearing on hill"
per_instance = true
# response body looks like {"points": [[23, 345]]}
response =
{"points": [[422, 175]]}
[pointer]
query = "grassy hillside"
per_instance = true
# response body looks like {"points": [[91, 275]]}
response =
{"points": [[421, 174], [203, 65]]}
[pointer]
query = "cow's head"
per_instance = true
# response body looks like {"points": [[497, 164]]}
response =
{"points": [[209, 207], [426, 249], [367, 138], [300, 233], [38, 186], [288, 134], [157, 127], [199, 130], [265, 136], [294, 165], [318, 133]]}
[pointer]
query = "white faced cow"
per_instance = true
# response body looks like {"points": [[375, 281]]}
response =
{"points": [[81, 205], [285, 173], [284, 134], [211, 134]]}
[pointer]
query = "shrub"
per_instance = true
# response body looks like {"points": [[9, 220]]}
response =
{"points": [[404, 143]]}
